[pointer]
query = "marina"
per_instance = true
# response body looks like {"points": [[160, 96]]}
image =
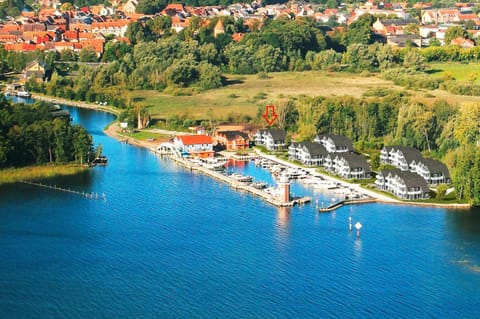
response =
{"points": [[216, 166], [245, 183]]}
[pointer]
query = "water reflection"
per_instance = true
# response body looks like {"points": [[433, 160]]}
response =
{"points": [[282, 226], [283, 217]]}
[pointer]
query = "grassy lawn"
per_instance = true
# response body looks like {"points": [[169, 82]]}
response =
{"points": [[246, 93], [144, 135], [460, 71]]}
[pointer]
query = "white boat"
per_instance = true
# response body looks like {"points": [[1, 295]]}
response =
{"points": [[259, 185], [293, 173], [216, 164], [310, 180], [242, 178], [23, 93], [214, 167], [323, 184]]}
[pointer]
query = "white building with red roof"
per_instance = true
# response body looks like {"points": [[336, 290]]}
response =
{"points": [[194, 145]]}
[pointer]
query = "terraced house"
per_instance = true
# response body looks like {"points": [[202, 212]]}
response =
{"points": [[410, 159], [400, 156], [308, 153], [348, 165], [272, 138], [403, 184], [335, 143]]}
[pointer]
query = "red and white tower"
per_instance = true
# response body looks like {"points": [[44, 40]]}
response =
{"points": [[284, 188]]}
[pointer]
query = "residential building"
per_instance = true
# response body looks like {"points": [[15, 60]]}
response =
{"points": [[194, 145], [308, 153], [233, 140], [335, 143], [403, 184], [400, 156], [351, 166], [130, 7], [35, 70], [433, 171], [272, 138], [219, 28]]}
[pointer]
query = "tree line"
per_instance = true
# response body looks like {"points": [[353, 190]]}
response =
{"points": [[30, 134]]}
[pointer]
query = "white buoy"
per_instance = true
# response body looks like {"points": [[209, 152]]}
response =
{"points": [[358, 226], [350, 223]]}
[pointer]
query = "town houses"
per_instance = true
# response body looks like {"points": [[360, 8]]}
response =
{"points": [[55, 27], [403, 184], [410, 159]]}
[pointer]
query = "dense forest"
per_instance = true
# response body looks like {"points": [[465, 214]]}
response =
{"points": [[31, 134]]}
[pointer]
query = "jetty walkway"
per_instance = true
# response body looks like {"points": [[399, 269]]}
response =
{"points": [[346, 202], [67, 190]]}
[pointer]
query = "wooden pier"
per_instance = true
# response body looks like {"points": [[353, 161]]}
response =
{"points": [[339, 204], [67, 190]]}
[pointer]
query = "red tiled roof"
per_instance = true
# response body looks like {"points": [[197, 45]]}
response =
{"points": [[123, 39], [469, 16], [11, 27], [8, 38], [195, 139], [238, 36]]}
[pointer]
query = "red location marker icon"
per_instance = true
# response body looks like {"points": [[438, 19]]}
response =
{"points": [[270, 116]]}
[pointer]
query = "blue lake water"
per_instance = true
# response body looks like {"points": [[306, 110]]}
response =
{"points": [[171, 243]]}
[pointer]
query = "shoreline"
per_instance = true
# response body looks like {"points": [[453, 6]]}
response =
{"points": [[113, 129], [80, 104]]}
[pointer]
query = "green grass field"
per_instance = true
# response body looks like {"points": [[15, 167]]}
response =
{"points": [[143, 135], [246, 93], [459, 71]]}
